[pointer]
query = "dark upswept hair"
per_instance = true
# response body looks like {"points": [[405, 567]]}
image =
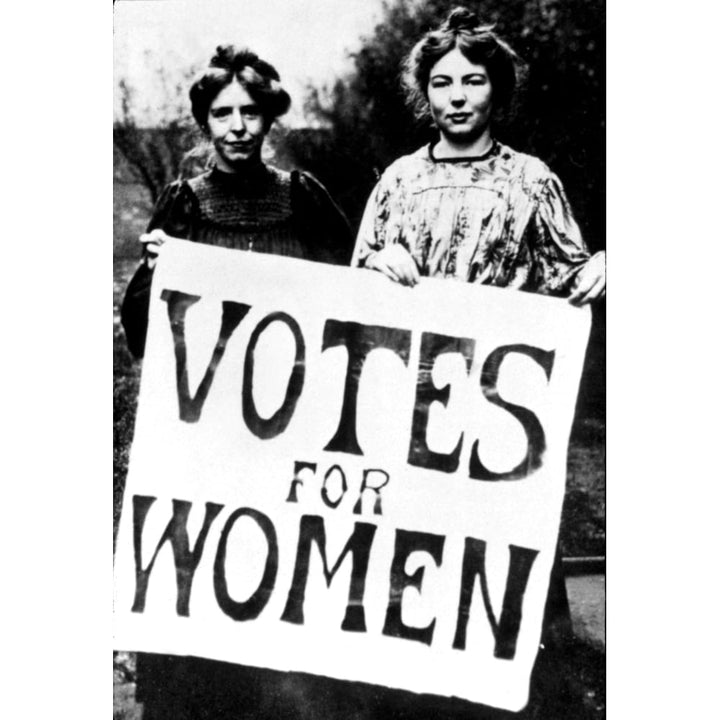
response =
{"points": [[259, 78], [477, 42]]}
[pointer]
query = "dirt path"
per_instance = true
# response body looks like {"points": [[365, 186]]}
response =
{"points": [[586, 594]]}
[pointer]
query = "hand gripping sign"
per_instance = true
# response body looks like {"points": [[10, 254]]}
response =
{"points": [[335, 474]]}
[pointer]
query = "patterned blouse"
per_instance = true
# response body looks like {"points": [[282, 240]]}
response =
{"points": [[500, 219]]}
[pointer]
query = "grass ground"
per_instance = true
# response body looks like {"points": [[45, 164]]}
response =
{"points": [[126, 383]]}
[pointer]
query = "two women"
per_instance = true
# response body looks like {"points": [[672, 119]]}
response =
{"points": [[466, 207]]}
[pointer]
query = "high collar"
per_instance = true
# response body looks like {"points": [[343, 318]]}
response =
{"points": [[490, 152], [253, 173]]}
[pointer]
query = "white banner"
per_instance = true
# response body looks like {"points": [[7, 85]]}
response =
{"points": [[335, 474]]}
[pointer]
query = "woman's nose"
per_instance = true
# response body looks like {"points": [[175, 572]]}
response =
{"points": [[237, 125], [457, 95]]}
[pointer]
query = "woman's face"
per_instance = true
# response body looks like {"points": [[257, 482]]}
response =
{"points": [[460, 97], [236, 127]]}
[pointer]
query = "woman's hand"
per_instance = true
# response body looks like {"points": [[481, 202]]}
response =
{"points": [[395, 262], [152, 244], [590, 281]]}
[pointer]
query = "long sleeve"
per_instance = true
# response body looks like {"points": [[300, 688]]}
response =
{"points": [[174, 214], [320, 221], [367, 241], [175, 211], [555, 243], [134, 310]]}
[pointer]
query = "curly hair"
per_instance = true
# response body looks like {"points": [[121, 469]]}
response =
{"points": [[259, 78], [477, 42]]}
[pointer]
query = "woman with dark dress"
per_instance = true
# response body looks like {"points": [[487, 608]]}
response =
{"points": [[244, 204], [241, 202]]}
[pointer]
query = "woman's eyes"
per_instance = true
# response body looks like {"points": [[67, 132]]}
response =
{"points": [[251, 113], [475, 81]]}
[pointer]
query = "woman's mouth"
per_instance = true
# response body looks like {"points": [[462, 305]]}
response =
{"points": [[458, 117], [240, 146]]}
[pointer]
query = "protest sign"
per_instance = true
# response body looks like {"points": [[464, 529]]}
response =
{"points": [[335, 474]]}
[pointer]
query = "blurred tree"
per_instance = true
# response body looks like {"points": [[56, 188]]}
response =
{"points": [[171, 147]]}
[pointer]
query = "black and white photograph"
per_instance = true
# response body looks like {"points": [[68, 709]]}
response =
{"points": [[359, 359]]}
